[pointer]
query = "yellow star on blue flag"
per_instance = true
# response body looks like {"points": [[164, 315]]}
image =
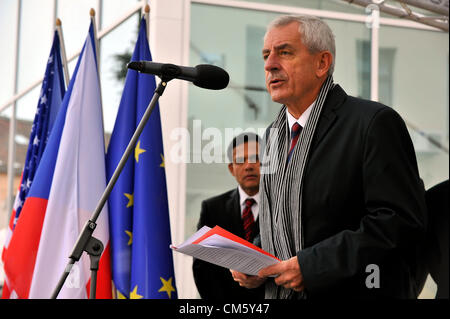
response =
{"points": [[130, 199], [138, 151], [163, 163], [130, 235], [134, 294], [167, 286]]}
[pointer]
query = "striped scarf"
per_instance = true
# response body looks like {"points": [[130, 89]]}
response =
{"points": [[281, 190]]}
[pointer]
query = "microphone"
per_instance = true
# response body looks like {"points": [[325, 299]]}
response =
{"points": [[205, 76]]}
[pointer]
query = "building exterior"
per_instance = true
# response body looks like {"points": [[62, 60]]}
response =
{"points": [[400, 63]]}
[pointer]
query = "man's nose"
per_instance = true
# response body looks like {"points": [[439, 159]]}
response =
{"points": [[249, 165], [271, 63]]}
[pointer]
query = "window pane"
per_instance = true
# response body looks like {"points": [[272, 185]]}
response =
{"points": [[75, 22], [8, 20], [330, 5], [116, 50], [35, 40], [114, 9], [415, 83], [237, 48], [350, 64]]}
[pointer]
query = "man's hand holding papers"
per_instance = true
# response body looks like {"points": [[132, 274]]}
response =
{"points": [[220, 247], [247, 281]]}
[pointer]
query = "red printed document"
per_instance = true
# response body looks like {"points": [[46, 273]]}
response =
{"points": [[220, 247]]}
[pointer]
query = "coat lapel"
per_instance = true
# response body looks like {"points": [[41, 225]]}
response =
{"points": [[234, 209], [334, 99]]}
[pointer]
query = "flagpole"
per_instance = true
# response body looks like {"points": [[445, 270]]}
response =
{"points": [[63, 51], [147, 20], [97, 55], [94, 23], [12, 120], [85, 241]]}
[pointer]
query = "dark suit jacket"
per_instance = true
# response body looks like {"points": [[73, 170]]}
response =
{"points": [[436, 249], [363, 203], [214, 282]]}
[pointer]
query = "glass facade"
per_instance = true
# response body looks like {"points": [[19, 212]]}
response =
{"points": [[417, 79], [36, 33], [120, 42], [8, 20], [330, 5]]}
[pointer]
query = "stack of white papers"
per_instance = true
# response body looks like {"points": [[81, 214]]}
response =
{"points": [[220, 247]]}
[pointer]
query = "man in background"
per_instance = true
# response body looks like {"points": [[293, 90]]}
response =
{"points": [[237, 212]]}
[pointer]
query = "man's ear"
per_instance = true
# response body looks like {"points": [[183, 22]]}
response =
{"points": [[230, 168], [324, 61]]}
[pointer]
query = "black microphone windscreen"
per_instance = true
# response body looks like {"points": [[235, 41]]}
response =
{"points": [[135, 65], [211, 77]]}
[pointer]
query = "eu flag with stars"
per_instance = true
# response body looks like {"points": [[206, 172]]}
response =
{"points": [[142, 263]]}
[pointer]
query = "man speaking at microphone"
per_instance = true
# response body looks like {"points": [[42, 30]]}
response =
{"points": [[342, 203]]}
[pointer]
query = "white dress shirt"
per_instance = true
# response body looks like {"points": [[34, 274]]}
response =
{"points": [[301, 120], [243, 196]]}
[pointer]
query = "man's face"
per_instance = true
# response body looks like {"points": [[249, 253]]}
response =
{"points": [[288, 65], [245, 167]]}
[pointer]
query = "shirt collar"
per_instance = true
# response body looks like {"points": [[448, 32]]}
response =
{"points": [[243, 196], [301, 120]]}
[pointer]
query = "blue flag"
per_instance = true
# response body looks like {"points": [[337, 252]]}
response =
{"points": [[142, 263], [50, 98]]}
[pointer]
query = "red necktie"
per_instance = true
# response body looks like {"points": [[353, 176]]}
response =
{"points": [[295, 133], [248, 220]]}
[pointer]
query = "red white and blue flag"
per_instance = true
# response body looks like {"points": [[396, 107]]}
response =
{"points": [[50, 98], [68, 183]]}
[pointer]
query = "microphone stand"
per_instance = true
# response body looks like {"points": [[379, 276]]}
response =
{"points": [[86, 242]]}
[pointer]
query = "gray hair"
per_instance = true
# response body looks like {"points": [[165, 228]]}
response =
{"points": [[316, 34]]}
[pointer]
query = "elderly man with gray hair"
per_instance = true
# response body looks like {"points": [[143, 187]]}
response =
{"points": [[342, 203]]}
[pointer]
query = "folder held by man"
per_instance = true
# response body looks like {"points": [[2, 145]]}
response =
{"points": [[220, 247]]}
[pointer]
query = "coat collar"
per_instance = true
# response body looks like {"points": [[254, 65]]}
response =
{"points": [[335, 98], [233, 207]]}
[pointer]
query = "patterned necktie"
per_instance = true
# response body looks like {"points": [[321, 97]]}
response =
{"points": [[248, 220], [295, 133]]}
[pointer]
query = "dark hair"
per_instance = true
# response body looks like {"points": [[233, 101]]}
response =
{"points": [[241, 139]]}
